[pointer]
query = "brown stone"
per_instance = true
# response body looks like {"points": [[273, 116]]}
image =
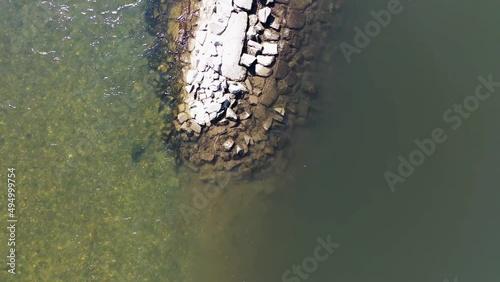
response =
{"points": [[269, 93], [296, 19], [281, 69], [292, 78], [260, 112], [207, 156], [300, 4]]}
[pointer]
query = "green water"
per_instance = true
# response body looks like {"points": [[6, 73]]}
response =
{"points": [[99, 198], [79, 123]]}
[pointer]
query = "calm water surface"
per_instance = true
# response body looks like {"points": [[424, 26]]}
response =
{"points": [[98, 197]]}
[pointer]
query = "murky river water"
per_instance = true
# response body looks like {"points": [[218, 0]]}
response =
{"points": [[99, 199]]}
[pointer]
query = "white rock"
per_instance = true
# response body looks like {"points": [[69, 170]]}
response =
{"points": [[217, 24], [259, 27], [264, 14], [233, 38], [213, 107], [269, 48], [269, 2], [230, 114], [263, 71], [244, 4], [228, 144], [201, 36], [190, 76], [252, 33], [265, 60], [189, 88], [253, 19], [199, 77], [247, 60], [253, 48], [237, 88]]}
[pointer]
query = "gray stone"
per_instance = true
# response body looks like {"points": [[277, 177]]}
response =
{"points": [[264, 14], [244, 4], [233, 38], [263, 71], [247, 60]]}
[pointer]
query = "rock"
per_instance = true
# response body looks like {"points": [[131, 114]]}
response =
{"points": [[269, 2], [201, 36], [253, 47], [190, 76], [269, 93], [280, 111], [237, 88], [248, 140], [265, 60], [252, 33], [247, 60], [275, 24], [228, 144], [182, 117], [196, 127], [232, 46], [269, 48], [239, 150], [231, 115], [270, 35], [213, 108], [217, 24], [296, 19], [245, 115], [253, 19], [267, 123], [300, 4], [259, 27], [253, 99], [263, 71], [281, 69], [244, 4], [264, 14], [206, 156]]}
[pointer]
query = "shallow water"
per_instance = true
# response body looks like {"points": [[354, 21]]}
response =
{"points": [[99, 198]]}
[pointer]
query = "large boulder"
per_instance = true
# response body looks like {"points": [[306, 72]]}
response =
{"points": [[232, 46]]}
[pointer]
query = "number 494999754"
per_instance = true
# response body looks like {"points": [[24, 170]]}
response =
{"points": [[11, 189]]}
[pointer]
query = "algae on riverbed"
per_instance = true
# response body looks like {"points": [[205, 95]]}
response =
{"points": [[76, 99]]}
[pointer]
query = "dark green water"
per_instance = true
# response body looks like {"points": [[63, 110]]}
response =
{"points": [[99, 199], [441, 224]]}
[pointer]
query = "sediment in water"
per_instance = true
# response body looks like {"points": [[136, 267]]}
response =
{"points": [[247, 78]]}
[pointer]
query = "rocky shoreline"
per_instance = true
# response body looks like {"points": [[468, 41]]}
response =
{"points": [[247, 79]]}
